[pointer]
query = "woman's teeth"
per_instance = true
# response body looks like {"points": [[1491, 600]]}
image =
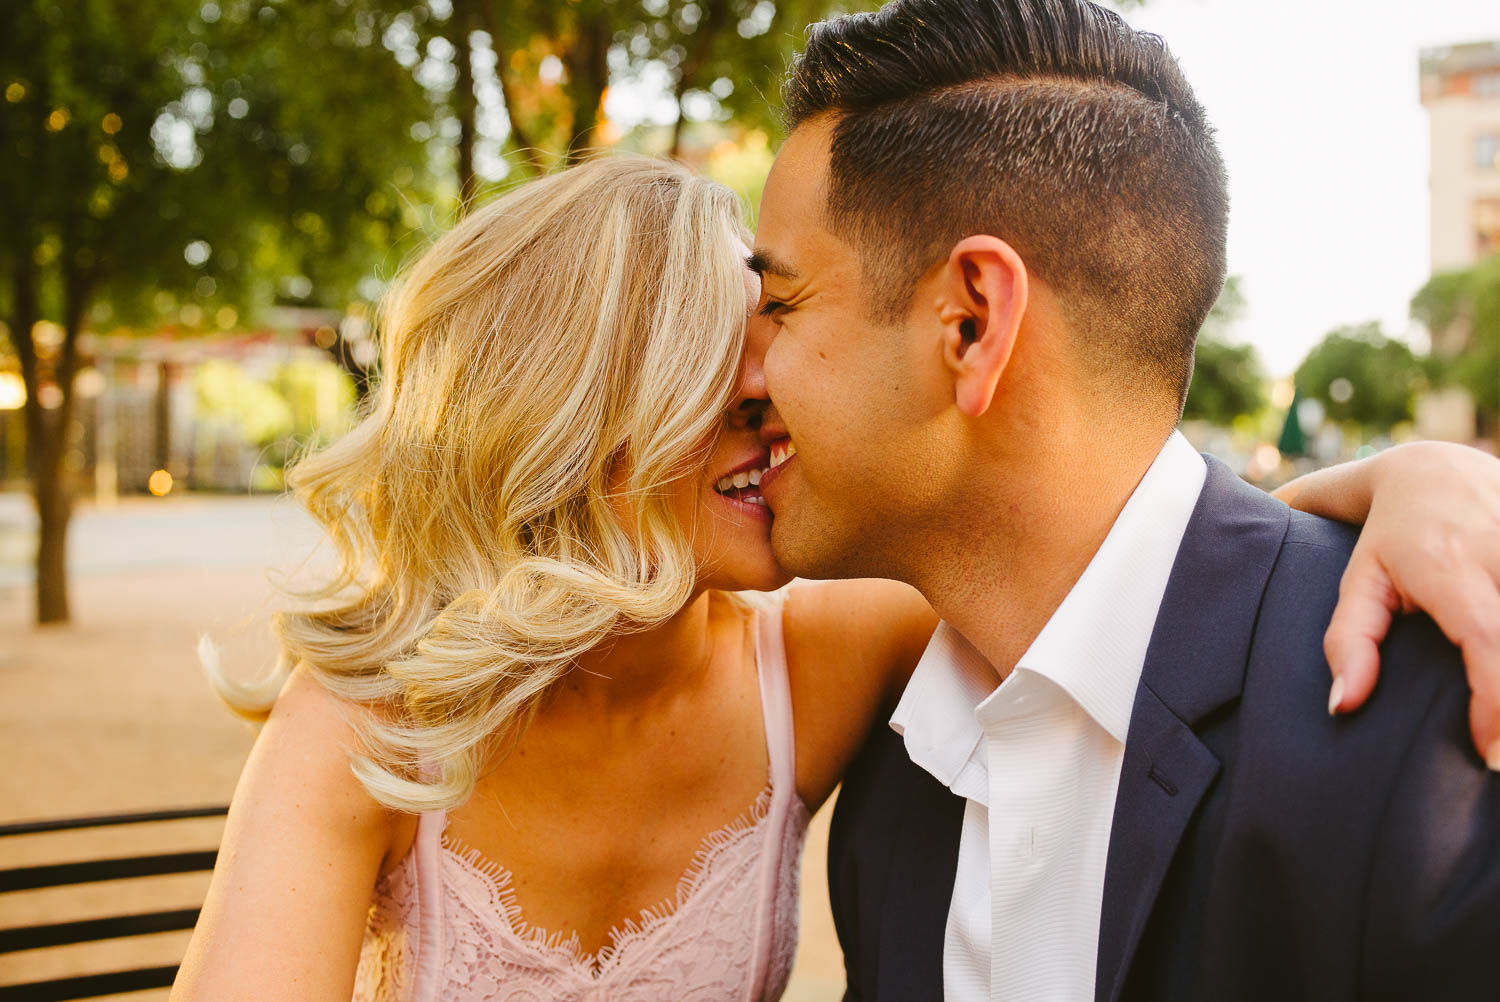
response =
{"points": [[745, 478], [780, 453]]}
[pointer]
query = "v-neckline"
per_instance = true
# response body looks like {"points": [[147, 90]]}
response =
{"points": [[567, 950]]}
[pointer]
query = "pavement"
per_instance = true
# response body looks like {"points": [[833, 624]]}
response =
{"points": [[110, 712]]}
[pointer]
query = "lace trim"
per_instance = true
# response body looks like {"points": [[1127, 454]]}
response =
{"points": [[621, 937]]}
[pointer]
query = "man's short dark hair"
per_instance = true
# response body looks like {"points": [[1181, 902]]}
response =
{"points": [[1051, 124]]}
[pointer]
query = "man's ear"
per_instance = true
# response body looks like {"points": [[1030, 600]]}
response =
{"points": [[982, 300]]}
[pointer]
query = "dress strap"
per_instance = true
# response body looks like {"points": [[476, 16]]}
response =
{"points": [[776, 696], [431, 946], [776, 707]]}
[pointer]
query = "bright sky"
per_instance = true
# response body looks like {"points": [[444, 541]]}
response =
{"points": [[1316, 103]]}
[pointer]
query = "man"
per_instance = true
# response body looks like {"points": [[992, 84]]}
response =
{"points": [[987, 247]]}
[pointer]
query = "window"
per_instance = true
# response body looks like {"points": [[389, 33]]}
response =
{"points": [[1487, 151], [1487, 85]]}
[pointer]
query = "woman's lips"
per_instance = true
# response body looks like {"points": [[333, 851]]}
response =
{"points": [[746, 501]]}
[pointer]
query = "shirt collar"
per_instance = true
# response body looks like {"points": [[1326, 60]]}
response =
{"points": [[1093, 647], [935, 717]]}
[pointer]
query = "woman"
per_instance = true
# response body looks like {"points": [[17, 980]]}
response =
{"points": [[574, 768]]}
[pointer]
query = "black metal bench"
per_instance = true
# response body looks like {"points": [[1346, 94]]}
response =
{"points": [[26, 878]]}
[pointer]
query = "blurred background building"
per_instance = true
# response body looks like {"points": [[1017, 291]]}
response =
{"points": [[1461, 92]]}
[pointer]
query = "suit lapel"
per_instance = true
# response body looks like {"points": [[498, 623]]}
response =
{"points": [[1195, 664]]}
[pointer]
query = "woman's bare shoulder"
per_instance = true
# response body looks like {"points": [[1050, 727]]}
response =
{"points": [[308, 744], [886, 623], [851, 646]]}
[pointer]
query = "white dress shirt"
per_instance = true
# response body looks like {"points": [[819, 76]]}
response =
{"points": [[1038, 757]]}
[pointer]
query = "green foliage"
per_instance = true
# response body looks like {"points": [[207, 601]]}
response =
{"points": [[727, 56], [1470, 298], [87, 200], [1360, 375], [1228, 379], [224, 391], [164, 154], [1228, 382]]}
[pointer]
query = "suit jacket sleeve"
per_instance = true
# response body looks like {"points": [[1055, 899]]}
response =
{"points": [[1433, 904]]}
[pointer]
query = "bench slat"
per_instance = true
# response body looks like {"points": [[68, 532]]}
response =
{"points": [[101, 820], [25, 878], [89, 985], [91, 930]]}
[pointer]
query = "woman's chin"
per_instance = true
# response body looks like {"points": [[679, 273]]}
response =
{"points": [[749, 569]]}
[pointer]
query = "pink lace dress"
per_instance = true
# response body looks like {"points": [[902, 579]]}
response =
{"points": [[445, 924]]}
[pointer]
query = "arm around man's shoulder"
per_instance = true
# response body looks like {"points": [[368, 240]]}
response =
{"points": [[851, 646], [301, 853]]}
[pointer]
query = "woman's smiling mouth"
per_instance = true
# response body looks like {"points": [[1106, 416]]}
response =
{"points": [[741, 487]]}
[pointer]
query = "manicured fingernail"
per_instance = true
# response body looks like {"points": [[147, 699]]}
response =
{"points": [[1336, 695], [1493, 758]]}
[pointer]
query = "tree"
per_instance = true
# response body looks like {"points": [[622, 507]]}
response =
{"points": [[1228, 379], [149, 172], [1463, 308], [1361, 375], [86, 202], [550, 66]]}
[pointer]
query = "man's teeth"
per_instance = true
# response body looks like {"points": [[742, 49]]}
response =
{"points": [[782, 452]]}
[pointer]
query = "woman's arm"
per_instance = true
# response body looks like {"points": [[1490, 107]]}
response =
{"points": [[1431, 542], [851, 646], [304, 844]]}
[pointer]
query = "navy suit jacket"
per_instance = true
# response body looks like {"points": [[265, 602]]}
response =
{"points": [[1260, 849]]}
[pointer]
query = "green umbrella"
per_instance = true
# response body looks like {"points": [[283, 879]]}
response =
{"points": [[1293, 442]]}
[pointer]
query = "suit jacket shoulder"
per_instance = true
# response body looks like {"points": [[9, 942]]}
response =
{"points": [[1321, 860]]}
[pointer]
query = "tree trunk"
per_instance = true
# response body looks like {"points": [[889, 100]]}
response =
{"points": [[54, 508], [587, 63], [519, 138], [715, 18], [45, 441], [465, 104], [54, 499]]}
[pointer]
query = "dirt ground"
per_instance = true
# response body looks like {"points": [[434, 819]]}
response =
{"points": [[111, 714]]}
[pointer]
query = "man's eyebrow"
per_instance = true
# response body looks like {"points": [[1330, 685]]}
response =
{"points": [[763, 262]]}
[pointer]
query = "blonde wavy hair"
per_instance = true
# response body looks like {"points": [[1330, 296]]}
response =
{"points": [[549, 368]]}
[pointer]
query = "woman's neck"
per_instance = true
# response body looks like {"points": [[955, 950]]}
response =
{"points": [[634, 668]]}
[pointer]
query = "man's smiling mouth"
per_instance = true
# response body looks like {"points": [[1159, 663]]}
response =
{"points": [[781, 451]]}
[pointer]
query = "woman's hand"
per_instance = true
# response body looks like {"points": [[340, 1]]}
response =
{"points": [[1431, 542]]}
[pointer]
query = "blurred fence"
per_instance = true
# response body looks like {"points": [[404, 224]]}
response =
{"points": [[222, 415]]}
